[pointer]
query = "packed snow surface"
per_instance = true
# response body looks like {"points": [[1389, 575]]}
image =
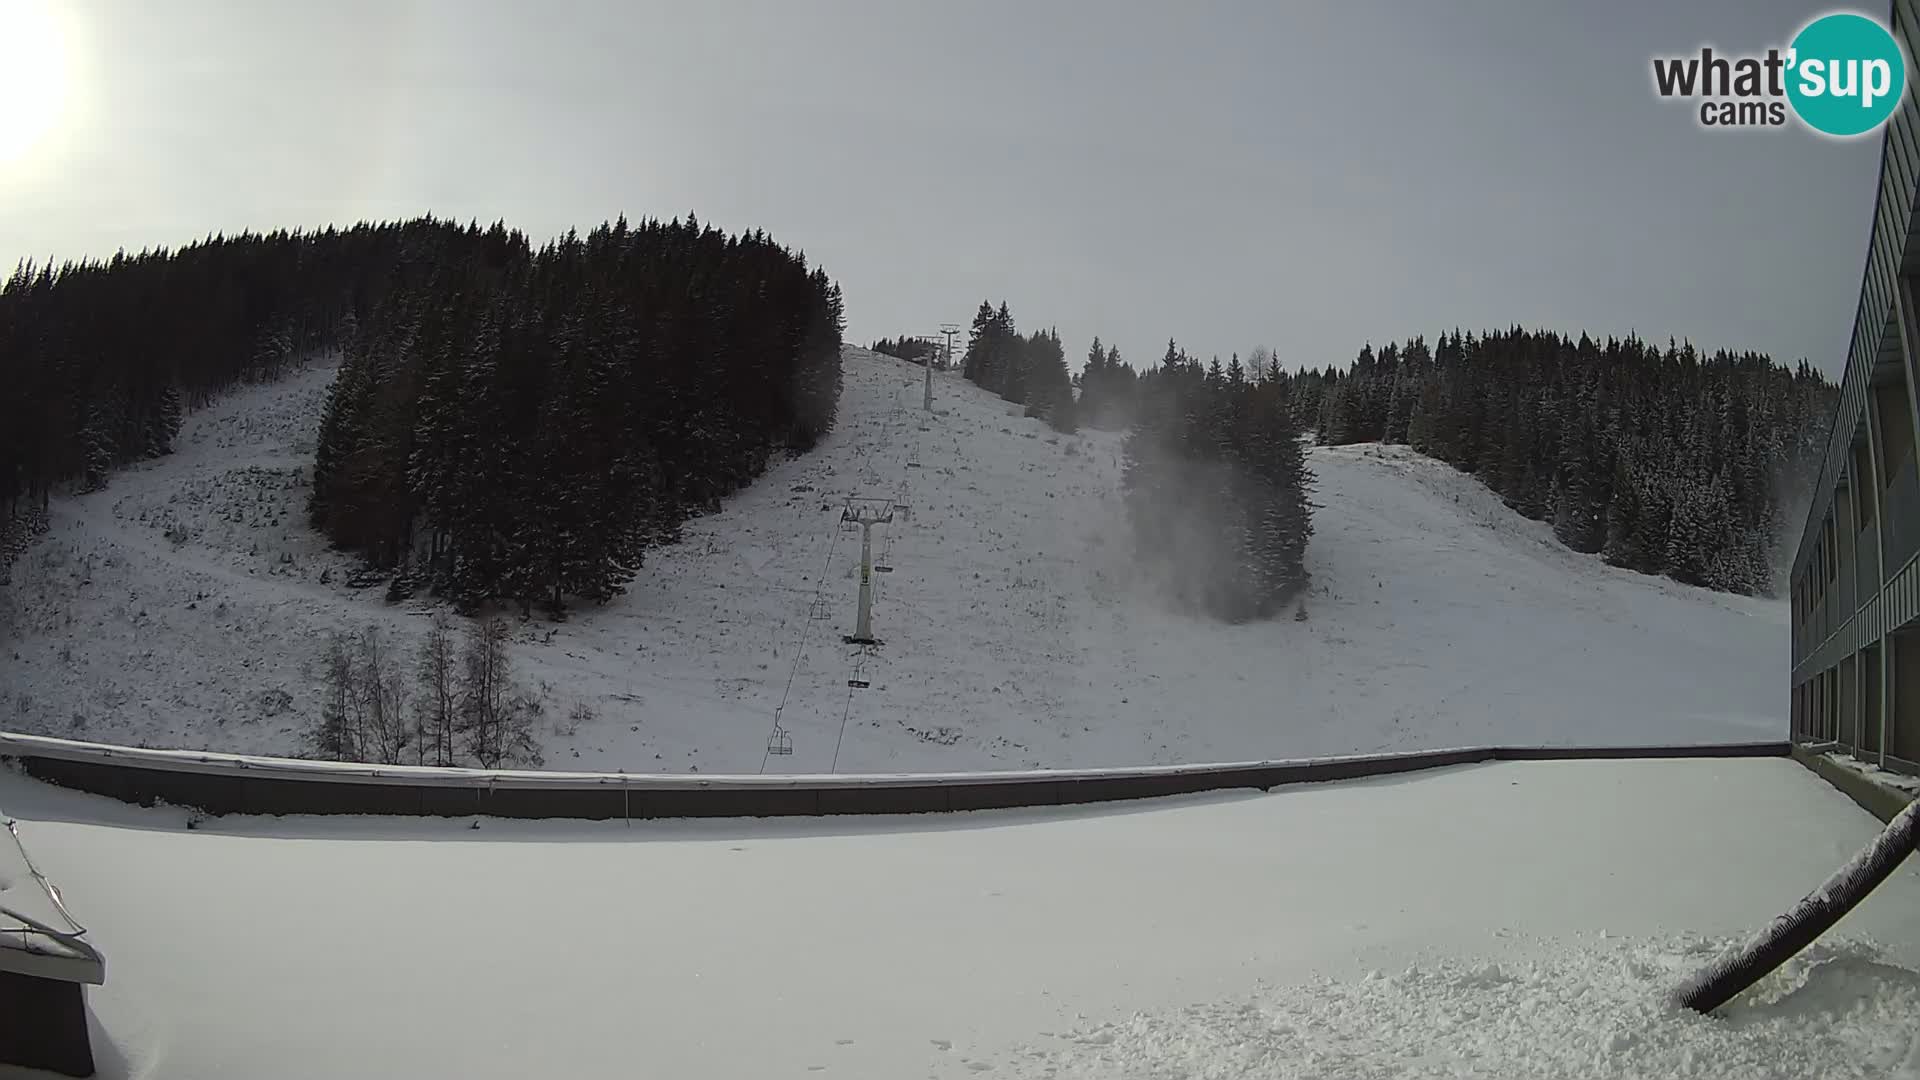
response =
{"points": [[1521, 919], [186, 605]]}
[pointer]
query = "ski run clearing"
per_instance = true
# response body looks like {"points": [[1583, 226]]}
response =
{"points": [[186, 606], [1520, 920]]}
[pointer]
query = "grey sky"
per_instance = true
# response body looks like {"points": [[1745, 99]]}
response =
{"points": [[1303, 175]]}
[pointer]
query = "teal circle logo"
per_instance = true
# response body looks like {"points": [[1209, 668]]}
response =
{"points": [[1845, 74]]}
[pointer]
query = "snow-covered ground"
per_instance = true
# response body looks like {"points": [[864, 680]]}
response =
{"points": [[186, 604], [1516, 920]]}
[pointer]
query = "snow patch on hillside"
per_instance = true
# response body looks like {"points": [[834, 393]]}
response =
{"points": [[186, 605], [182, 605]]}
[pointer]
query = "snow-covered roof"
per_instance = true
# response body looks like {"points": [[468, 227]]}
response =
{"points": [[38, 935]]}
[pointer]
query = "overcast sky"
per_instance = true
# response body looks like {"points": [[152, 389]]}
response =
{"points": [[1301, 175]]}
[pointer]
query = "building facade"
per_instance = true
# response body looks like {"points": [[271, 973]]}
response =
{"points": [[1856, 582]]}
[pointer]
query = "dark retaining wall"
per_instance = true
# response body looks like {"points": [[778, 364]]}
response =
{"points": [[46, 1025], [220, 785]]}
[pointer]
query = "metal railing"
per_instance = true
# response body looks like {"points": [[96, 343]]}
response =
{"points": [[1902, 517], [1891, 762], [34, 934], [1866, 565]]}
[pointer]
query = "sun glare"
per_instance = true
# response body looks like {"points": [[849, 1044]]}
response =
{"points": [[34, 61]]}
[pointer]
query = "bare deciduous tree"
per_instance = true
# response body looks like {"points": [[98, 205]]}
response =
{"points": [[336, 737], [438, 711], [383, 694], [498, 718], [456, 703]]}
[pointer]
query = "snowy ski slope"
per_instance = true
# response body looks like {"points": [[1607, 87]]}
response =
{"points": [[186, 604]]}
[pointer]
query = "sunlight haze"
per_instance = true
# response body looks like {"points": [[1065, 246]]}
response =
{"points": [[1230, 174]]}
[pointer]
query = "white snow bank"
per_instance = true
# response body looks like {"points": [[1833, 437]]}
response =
{"points": [[1206, 936], [1837, 1010]]}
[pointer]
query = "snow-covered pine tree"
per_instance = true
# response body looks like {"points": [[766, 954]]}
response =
{"points": [[816, 379], [1625, 544], [1094, 401], [1014, 364], [97, 447], [163, 423], [1215, 484], [1412, 374], [1049, 387], [1333, 428], [332, 501], [1579, 519], [973, 364]]}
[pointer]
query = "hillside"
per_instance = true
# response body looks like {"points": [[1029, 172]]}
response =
{"points": [[186, 604]]}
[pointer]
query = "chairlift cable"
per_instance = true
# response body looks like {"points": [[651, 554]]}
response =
{"points": [[800, 647]]}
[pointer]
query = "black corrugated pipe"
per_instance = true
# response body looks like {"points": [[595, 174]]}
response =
{"points": [[1810, 918]]}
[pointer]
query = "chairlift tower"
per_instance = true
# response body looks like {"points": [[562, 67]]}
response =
{"points": [[927, 359], [947, 329], [866, 513]]}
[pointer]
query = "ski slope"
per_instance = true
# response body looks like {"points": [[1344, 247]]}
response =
{"points": [[1515, 920], [185, 606]]}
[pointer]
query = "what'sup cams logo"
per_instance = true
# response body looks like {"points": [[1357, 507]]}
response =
{"points": [[1843, 75]]}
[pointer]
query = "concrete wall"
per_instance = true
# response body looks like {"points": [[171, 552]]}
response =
{"points": [[223, 784]]}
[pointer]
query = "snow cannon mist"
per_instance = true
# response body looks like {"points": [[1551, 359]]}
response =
{"points": [[1216, 491]]}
